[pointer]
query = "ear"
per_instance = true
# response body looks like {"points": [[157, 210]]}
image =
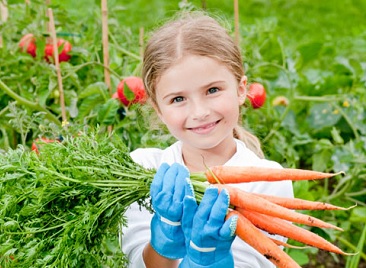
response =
{"points": [[157, 110], [242, 89]]}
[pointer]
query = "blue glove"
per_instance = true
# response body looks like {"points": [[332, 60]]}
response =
{"points": [[168, 189], [208, 235]]}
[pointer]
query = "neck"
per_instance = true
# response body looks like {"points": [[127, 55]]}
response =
{"points": [[197, 160]]}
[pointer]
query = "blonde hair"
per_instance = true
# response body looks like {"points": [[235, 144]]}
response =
{"points": [[193, 33]]}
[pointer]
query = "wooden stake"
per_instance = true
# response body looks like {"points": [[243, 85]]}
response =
{"points": [[236, 22], [57, 65], [204, 4], [48, 23], [107, 77], [141, 42], [4, 16]]}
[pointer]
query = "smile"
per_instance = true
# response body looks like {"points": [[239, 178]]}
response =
{"points": [[204, 129]]}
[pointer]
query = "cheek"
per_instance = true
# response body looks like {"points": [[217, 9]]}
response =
{"points": [[172, 118], [234, 108]]}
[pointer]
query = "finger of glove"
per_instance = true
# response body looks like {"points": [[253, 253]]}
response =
{"points": [[169, 179], [189, 210], [180, 182], [204, 209], [229, 228], [163, 204], [164, 201], [189, 191], [157, 183], [219, 209]]}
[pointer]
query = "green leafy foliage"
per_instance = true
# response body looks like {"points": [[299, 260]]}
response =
{"points": [[63, 207]]}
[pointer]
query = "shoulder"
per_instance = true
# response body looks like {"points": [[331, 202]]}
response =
{"points": [[147, 157], [246, 157], [153, 157]]}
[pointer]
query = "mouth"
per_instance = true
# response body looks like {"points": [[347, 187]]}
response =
{"points": [[203, 129]]}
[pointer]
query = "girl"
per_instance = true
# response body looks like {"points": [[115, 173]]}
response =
{"points": [[194, 77]]}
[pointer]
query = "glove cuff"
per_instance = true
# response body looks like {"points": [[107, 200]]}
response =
{"points": [[226, 262], [169, 247]]}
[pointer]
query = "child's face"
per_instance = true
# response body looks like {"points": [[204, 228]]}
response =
{"points": [[198, 99]]}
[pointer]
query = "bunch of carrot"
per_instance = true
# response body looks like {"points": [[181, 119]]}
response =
{"points": [[273, 214], [64, 206]]}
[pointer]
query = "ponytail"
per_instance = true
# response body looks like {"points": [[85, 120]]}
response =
{"points": [[251, 141]]}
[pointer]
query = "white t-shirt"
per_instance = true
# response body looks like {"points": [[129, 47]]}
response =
{"points": [[137, 233]]}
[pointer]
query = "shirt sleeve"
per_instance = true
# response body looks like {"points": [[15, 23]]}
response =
{"points": [[136, 235]]}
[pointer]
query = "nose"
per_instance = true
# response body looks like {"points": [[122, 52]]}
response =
{"points": [[200, 110]]}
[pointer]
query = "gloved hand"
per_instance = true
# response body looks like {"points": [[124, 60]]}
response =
{"points": [[168, 189], [208, 235]]}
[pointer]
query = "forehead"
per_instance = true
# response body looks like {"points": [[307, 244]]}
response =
{"points": [[193, 66]]}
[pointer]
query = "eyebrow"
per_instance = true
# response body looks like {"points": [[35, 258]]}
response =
{"points": [[181, 92]]}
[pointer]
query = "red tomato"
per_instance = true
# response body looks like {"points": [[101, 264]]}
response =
{"points": [[28, 44], [115, 95], [35, 146], [134, 84], [256, 95], [63, 55]]}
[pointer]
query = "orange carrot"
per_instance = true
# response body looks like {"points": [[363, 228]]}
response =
{"points": [[274, 225], [260, 242], [300, 204], [234, 174], [242, 199]]}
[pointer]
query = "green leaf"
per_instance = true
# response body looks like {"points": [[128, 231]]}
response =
{"points": [[322, 115], [336, 136], [310, 51], [128, 92], [89, 104], [300, 257], [98, 88], [108, 111], [358, 214], [353, 261]]}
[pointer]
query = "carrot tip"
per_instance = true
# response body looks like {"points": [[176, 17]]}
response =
{"points": [[339, 173], [355, 205], [350, 254]]}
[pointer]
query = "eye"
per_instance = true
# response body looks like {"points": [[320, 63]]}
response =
{"points": [[213, 90], [177, 99]]}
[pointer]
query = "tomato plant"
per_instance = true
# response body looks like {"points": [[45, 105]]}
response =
{"points": [[28, 44]]}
